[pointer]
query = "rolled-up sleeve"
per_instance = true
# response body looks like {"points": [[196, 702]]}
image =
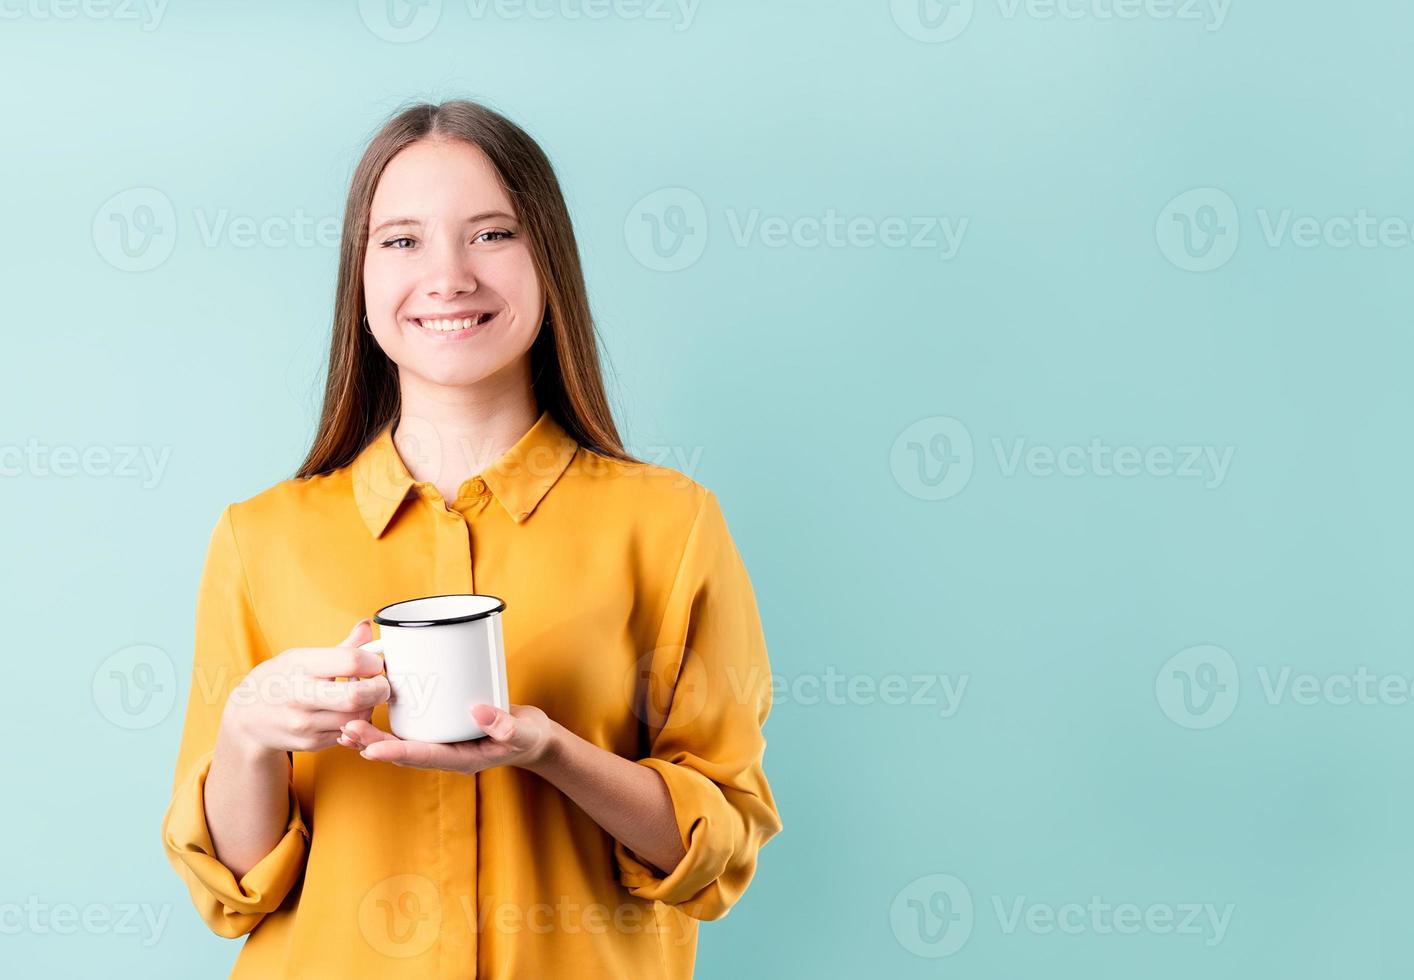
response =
{"points": [[228, 643], [705, 695]]}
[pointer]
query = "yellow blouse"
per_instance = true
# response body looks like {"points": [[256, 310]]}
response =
{"points": [[629, 619]]}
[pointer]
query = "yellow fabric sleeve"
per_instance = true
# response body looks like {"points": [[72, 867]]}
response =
{"points": [[228, 644], [707, 694]]}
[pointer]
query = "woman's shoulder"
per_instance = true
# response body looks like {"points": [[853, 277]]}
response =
{"points": [[646, 490], [293, 507]]}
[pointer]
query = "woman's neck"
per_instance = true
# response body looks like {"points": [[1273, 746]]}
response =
{"points": [[447, 435]]}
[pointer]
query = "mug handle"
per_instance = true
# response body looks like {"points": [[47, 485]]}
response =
{"points": [[376, 646]]}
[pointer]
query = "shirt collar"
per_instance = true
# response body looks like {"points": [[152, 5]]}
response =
{"points": [[519, 479]]}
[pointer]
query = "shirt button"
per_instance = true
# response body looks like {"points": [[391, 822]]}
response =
{"points": [[478, 485]]}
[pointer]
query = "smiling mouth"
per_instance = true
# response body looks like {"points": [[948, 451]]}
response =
{"points": [[453, 324]]}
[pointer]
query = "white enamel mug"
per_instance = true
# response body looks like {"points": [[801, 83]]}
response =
{"points": [[442, 654]]}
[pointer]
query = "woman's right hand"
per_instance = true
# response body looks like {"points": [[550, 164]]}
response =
{"points": [[291, 702]]}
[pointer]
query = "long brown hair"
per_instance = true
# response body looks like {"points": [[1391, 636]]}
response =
{"points": [[361, 393]]}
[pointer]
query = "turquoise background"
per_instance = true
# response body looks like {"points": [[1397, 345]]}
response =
{"points": [[1116, 635]]}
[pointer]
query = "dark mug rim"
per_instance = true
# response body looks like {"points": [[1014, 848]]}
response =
{"points": [[382, 620]]}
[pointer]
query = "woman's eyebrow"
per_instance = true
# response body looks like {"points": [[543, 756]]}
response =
{"points": [[417, 222]]}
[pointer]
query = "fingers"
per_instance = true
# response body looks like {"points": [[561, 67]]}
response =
{"points": [[344, 660], [311, 731], [350, 697], [377, 745], [422, 755], [336, 662], [320, 723], [363, 733], [500, 725], [362, 695], [362, 632]]}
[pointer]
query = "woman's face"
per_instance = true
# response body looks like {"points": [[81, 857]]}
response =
{"points": [[445, 249]]}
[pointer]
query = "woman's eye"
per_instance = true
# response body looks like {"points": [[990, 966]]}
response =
{"points": [[406, 242]]}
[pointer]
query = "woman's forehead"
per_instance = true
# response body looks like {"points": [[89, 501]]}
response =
{"points": [[437, 178]]}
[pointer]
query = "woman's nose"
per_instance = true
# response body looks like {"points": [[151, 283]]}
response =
{"points": [[450, 272]]}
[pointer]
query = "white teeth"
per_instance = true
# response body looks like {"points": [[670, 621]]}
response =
{"points": [[446, 326]]}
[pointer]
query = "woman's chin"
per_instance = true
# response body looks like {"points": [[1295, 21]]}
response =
{"points": [[445, 375]]}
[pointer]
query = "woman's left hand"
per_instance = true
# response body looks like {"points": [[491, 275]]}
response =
{"points": [[519, 737]]}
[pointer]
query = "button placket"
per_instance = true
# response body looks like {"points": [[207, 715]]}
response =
{"points": [[458, 800]]}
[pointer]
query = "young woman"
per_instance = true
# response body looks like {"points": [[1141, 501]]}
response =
{"points": [[466, 446]]}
